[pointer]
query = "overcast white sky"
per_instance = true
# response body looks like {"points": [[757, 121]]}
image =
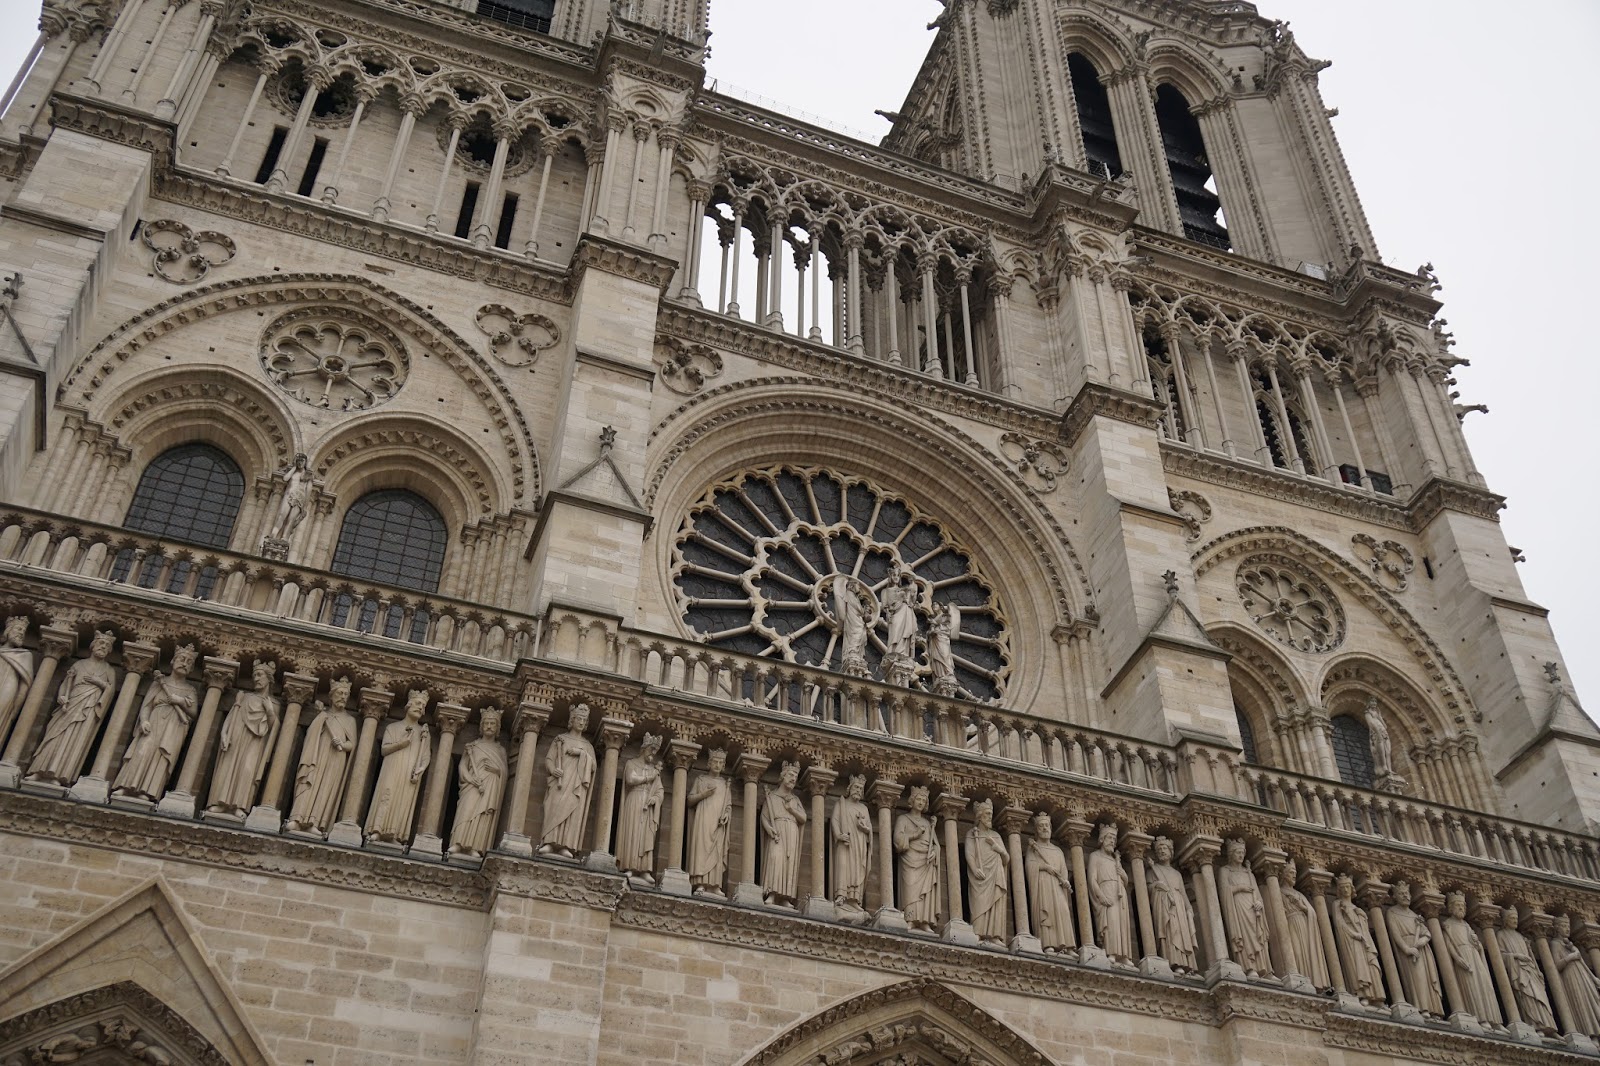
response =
{"points": [[1472, 148]]}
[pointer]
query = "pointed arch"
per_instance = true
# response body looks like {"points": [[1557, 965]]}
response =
{"points": [[141, 957], [922, 1015], [1266, 692]]}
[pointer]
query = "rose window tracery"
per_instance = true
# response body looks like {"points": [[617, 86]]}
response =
{"points": [[814, 567], [334, 360], [1293, 605]]}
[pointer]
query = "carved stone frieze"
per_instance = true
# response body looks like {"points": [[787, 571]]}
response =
{"points": [[1095, 401], [118, 1022], [184, 256]]}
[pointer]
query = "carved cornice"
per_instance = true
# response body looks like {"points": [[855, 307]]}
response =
{"points": [[214, 845], [108, 122], [1182, 461], [347, 229], [547, 881], [1388, 1040], [1095, 401], [835, 366], [1439, 495], [614, 257]]}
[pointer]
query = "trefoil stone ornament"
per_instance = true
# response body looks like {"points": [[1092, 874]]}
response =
{"points": [[685, 368], [1041, 462], [515, 340], [184, 256], [1391, 563]]}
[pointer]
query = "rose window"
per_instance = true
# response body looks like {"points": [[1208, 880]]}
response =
{"points": [[813, 567], [342, 362], [1291, 604]]}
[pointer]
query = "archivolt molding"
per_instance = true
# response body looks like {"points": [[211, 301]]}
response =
{"points": [[223, 397], [1346, 576], [414, 323], [120, 1021], [921, 1014], [1270, 671], [1355, 677], [382, 439], [945, 441]]}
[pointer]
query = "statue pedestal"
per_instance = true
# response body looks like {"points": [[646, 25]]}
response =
{"points": [[91, 790], [749, 893], [1094, 956], [1224, 970], [387, 847], [1030, 944], [890, 918], [427, 847], [43, 788], [819, 907], [133, 803], [10, 774], [1465, 1022], [1578, 1042], [959, 932], [600, 862], [1155, 966], [264, 819], [1297, 982], [676, 882], [519, 844], [275, 548], [177, 804], [1347, 1002], [225, 817], [1524, 1033], [468, 860], [346, 834], [1405, 1012]]}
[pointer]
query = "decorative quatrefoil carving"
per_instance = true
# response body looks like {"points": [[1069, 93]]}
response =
{"points": [[182, 255], [516, 340], [1391, 563]]}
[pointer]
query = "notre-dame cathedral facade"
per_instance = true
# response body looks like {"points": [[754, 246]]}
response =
{"points": [[509, 555]]}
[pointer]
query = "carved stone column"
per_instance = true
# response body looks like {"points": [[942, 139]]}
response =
{"points": [[427, 843], [137, 660], [1012, 822], [680, 755], [1485, 916], [1135, 845], [1314, 883], [749, 768], [374, 709], [957, 929], [1374, 895], [885, 794], [532, 715], [267, 815], [180, 800], [818, 780], [1268, 864], [613, 734], [1429, 903], [55, 643], [1539, 927], [1075, 831], [1198, 858]]}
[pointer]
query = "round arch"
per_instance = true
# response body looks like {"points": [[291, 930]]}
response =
{"points": [[767, 422], [919, 1016]]}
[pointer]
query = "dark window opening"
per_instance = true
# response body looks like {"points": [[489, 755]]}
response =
{"points": [[269, 161], [1198, 206], [528, 14], [396, 538], [1269, 429], [1377, 480], [1094, 117], [1247, 735], [1352, 750], [508, 218], [1427, 566], [190, 493], [469, 204], [479, 147], [308, 181]]}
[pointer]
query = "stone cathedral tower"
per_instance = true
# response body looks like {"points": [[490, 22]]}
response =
{"points": [[510, 556]]}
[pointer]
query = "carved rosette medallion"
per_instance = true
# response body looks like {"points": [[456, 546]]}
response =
{"points": [[332, 358], [1292, 604], [767, 562]]}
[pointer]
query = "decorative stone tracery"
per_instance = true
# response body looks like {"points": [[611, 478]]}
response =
{"points": [[1291, 604]]}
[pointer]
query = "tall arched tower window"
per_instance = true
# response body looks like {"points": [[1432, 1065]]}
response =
{"points": [[1192, 180], [189, 494], [394, 537], [1094, 117], [1352, 750], [1247, 735]]}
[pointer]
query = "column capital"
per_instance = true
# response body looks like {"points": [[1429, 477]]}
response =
{"points": [[1428, 901], [886, 792], [614, 732], [1315, 881], [297, 688], [450, 716], [375, 702], [1014, 820], [682, 753], [1201, 849], [1586, 935], [57, 641], [950, 804], [1269, 862], [531, 717], [750, 766], [1075, 830], [818, 779], [219, 672], [1540, 924], [1372, 892], [138, 657], [1483, 913]]}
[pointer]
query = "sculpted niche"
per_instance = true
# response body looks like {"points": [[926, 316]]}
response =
{"points": [[1170, 911], [639, 818], [16, 669], [1049, 888], [164, 719], [987, 893], [82, 700], [247, 737], [569, 766], [406, 752], [917, 845], [324, 761], [850, 836], [1108, 897], [710, 803], [783, 815], [483, 767]]}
